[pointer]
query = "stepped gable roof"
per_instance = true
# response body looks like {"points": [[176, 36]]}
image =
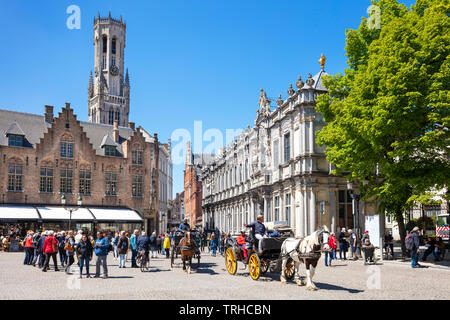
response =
{"points": [[34, 126]]}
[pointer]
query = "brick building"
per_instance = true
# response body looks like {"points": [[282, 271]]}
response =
{"points": [[193, 185], [110, 164]]}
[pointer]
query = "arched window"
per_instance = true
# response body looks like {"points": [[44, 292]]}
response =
{"points": [[105, 44]]}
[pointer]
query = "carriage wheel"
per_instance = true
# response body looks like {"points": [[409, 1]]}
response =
{"points": [[264, 266], [230, 261], [290, 269], [254, 266]]}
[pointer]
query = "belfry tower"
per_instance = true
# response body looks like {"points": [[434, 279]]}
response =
{"points": [[109, 86]]}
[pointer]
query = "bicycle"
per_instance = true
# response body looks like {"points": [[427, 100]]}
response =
{"points": [[143, 261]]}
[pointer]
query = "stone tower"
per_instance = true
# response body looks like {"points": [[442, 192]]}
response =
{"points": [[109, 86]]}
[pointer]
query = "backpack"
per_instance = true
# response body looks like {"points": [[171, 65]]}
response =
{"points": [[409, 242], [35, 240], [68, 246], [124, 244]]}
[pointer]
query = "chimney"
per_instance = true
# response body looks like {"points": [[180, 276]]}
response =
{"points": [[116, 130], [131, 125], [48, 114]]}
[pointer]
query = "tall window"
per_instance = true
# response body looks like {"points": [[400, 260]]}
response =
{"points": [[104, 62], [85, 182], [287, 208], [15, 140], [15, 177], [275, 154], [276, 206], [46, 184], [111, 183], [111, 116], [136, 156], [287, 147], [136, 187], [66, 149], [345, 209], [113, 47], [105, 44], [66, 180]]}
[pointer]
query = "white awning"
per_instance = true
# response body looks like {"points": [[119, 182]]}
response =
{"points": [[59, 213], [18, 213], [116, 215]]}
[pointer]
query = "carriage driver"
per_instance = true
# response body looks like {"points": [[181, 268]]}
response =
{"points": [[184, 226], [259, 230]]}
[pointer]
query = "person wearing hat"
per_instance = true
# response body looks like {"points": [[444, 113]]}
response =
{"points": [[415, 251], [259, 230]]}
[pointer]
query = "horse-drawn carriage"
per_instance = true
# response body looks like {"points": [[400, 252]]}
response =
{"points": [[268, 259], [188, 246]]}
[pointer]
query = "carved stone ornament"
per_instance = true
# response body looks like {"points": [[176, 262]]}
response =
{"points": [[291, 91], [280, 100], [300, 83], [310, 80], [263, 100]]}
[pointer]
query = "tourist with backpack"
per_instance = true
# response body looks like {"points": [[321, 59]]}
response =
{"points": [[122, 248], [61, 238], [412, 244]]}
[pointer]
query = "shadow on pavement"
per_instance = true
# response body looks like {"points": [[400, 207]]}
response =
{"points": [[327, 286]]}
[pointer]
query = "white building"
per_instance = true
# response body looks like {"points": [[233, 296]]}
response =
{"points": [[276, 169], [165, 186]]}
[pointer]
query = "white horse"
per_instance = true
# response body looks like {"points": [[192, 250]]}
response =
{"points": [[307, 250]]}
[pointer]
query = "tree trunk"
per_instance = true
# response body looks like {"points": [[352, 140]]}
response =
{"points": [[401, 229]]}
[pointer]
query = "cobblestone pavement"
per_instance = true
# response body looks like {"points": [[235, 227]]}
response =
{"points": [[344, 280]]}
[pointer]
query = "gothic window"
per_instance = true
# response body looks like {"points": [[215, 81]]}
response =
{"points": [[111, 116], [136, 156], [111, 183], [113, 47], [66, 149], [287, 147], [113, 61], [104, 63], [66, 180], [85, 182], [15, 177], [137, 186], [15, 140], [105, 44], [46, 183]]}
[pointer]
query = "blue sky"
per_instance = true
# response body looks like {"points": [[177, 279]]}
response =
{"points": [[188, 59]]}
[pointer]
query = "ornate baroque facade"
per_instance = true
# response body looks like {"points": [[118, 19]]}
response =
{"points": [[277, 169]]}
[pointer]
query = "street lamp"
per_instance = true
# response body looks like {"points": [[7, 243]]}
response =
{"points": [[355, 206], [71, 209]]}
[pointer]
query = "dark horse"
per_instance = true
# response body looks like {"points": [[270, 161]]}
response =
{"points": [[187, 246]]}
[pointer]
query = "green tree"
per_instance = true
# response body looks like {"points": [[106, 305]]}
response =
{"points": [[388, 116]]}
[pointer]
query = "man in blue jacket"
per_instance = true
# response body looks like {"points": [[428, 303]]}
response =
{"points": [[133, 244], [101, 251], [259, 230]]}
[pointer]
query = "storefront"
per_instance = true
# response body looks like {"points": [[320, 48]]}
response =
{"points": [[89, 219]]}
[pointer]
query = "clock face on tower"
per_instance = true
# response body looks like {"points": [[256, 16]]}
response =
{"points": [[114, 70]]}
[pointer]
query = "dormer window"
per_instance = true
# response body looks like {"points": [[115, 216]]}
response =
{"points": [[66, 149], [110, 151], [15, 140]]}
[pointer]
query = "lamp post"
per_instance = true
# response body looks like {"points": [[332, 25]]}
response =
{"points": [[355, 206], [71, 209]]}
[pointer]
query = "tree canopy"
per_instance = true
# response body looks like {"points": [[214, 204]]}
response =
{"points": [[388, 116]]}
